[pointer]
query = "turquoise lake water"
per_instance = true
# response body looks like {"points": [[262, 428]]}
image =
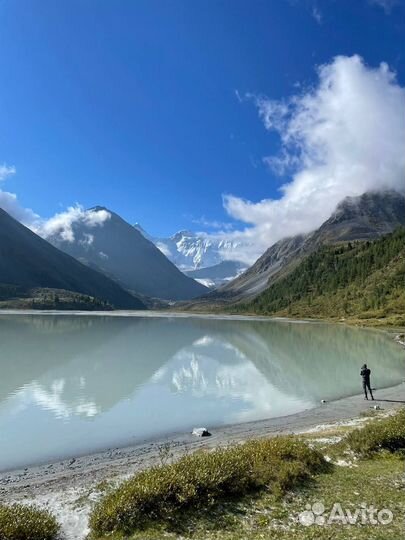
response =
{"points": [[75, 384]]}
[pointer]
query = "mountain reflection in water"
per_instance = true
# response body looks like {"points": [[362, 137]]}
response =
{"points": [[75, 384]]}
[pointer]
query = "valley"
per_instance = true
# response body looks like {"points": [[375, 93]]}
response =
{"points": [[202, 270]]}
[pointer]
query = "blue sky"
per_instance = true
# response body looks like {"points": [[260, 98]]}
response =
{"points": [[132, 104]]}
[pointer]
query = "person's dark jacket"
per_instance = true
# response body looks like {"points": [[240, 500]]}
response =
{"points": [[365, 373]]}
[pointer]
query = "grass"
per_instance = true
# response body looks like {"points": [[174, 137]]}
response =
{"points": [[205, 480], [378, 482], [386, 434], [372, 478], [251, 491], [21, 522]]}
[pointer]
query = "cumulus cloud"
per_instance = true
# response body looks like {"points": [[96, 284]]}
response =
{"points": [[61, 226], [342, 137], [10, 203]]}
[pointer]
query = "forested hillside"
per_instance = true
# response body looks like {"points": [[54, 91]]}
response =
{"points": [[363, 280]]}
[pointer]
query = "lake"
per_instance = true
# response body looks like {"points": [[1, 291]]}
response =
{"points": [[73, 384]]}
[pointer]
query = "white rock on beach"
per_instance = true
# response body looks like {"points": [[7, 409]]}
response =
{"points": [[201, 432]]}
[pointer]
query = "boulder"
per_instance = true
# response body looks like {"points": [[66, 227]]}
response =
{"points": [[201, 432]]}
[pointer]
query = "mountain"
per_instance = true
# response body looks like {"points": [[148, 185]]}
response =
{"points": [[192, 252], [117, 249], [217, 275], [366, 217], [256, 278], [360, 280], [27, 261]]}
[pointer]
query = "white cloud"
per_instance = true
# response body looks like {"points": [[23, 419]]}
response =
{"points": [[62, 225], [9, 201], [343, 137], [6, 170]]}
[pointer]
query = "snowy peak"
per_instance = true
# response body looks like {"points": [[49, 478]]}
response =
{"points": [[191, 252]]}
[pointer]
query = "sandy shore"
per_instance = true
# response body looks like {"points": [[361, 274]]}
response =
{"points": [[62, 486]]}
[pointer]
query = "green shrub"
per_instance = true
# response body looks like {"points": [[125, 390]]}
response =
{"points": [[202, 479], [385, 434], [21, 522]]}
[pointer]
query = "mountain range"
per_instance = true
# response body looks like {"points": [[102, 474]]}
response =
{"points": [[366, 217], [115, 264], [120, 251], [190, 251]]}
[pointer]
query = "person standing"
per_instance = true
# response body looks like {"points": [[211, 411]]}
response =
{"points": [[365, 374]]}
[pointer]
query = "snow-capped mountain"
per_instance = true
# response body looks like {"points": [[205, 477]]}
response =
{"points": [[196, 253], [189, 250]]}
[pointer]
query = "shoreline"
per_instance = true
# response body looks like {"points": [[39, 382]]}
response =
{"points": [[156, 313], [70, 487], [115, 461]]}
